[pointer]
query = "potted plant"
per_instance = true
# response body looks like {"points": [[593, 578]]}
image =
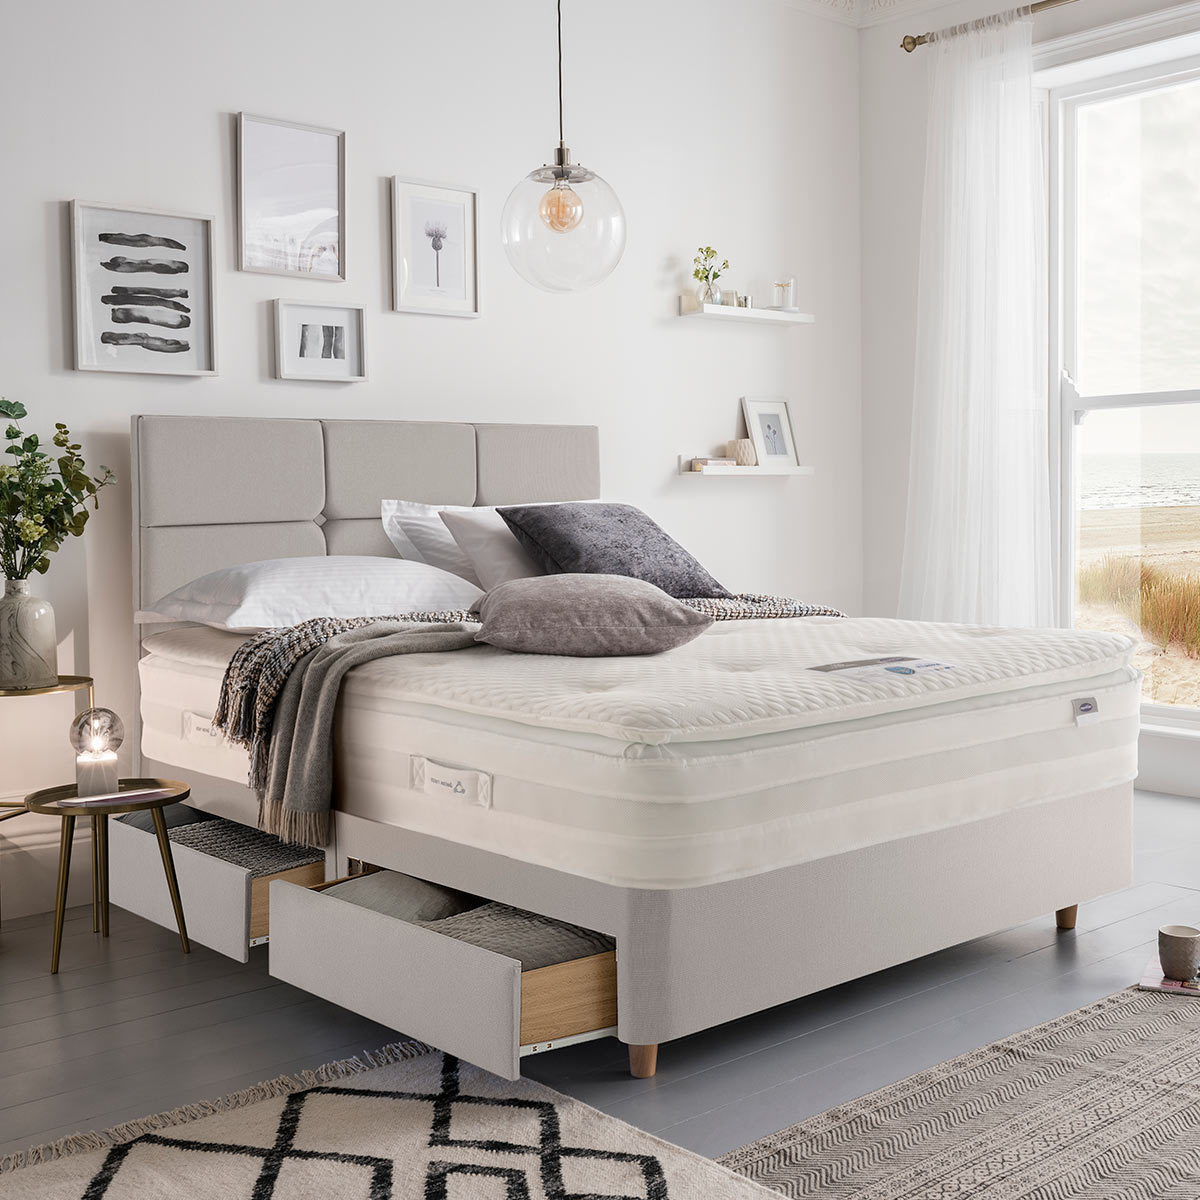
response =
{"points": [[705, 269], [43, 501]]}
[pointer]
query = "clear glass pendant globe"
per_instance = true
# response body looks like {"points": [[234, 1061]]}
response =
{"points": [[97, 730], [543, 244]]}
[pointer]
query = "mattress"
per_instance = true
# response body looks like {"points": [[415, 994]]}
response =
{"points": [[724, 758]]}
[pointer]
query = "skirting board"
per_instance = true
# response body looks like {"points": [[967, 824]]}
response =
{"points": [[29, 864]]}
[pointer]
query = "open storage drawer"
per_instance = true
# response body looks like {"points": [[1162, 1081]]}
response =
{"points": [[225, 903], [470, 1002]]}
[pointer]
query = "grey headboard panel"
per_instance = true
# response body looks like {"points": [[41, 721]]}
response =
{"points": [[210, 492]]}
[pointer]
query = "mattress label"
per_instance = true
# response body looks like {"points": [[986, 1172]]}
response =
{"points": [[199, 730], [1086, 710], [455, 784], [892, 664]]}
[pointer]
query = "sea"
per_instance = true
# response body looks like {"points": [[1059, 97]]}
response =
{"points": [[1138, 480]]}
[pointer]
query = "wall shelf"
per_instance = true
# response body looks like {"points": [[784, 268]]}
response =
{"points": [[690, 307], [685, 469]]}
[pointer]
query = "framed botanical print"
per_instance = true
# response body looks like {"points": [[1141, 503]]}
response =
{"points": [[435, 261], [291, 198], [769, 425], [143, 294], [319, 341]]}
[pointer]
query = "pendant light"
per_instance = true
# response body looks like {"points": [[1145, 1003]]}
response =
{"points": [[562, 226]]}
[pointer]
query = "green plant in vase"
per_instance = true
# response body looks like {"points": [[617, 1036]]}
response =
{"points": [[705, 269], [43, 501]]}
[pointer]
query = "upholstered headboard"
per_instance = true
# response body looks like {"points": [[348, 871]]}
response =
{"points": [[211, 492]]}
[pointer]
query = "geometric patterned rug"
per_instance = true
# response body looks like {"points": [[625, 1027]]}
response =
{"points": [[405, 1123], [1101, 1103]]}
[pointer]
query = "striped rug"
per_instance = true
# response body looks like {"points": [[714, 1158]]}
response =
{"points": [[1104, 1102]]}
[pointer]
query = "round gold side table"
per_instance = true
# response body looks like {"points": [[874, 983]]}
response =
{"points": [[50, 802], [10, 809]]}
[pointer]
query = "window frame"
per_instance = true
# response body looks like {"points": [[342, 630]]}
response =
{"points": [[1069, 408]]}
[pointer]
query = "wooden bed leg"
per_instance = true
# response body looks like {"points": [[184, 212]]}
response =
{"points": [[643, 1061], [1065, 917]]}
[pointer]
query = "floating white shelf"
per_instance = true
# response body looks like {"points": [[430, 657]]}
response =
{"points": [[685, 469], [690, 307]]}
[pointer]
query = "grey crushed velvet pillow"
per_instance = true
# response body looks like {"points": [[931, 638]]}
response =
{"points": [[609, 539], [586, 616]]}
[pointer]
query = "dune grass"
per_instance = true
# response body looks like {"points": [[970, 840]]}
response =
{"points": [[1165, 606]]}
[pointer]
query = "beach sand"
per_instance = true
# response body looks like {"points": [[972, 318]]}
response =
{"points": [[1168, 538]]}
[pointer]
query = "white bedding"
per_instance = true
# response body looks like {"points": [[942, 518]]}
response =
{"points": [[724, 758]]}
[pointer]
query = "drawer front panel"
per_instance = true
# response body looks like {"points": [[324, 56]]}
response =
{"points": [[215, 894], [455, 996]]}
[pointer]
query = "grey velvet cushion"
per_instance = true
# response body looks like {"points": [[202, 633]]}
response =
{"points": [[403, 896], [609, 539], [586, 616]]}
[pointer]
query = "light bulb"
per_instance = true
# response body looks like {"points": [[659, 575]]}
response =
{"points": [[561, 208]]}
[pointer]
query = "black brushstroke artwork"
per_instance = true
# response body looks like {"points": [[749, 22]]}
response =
{"points": [[147, 298], [147, 341], [141, 240], [121, 289], [158, 266], [322, 341], [138, 316]]}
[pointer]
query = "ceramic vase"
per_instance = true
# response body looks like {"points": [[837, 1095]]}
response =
{"points": [[28, 646]]}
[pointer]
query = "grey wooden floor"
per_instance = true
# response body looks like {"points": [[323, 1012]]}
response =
{"points": [[130, 1026]]}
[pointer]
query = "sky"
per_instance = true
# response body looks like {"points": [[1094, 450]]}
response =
{"points": [[1139, 266]]}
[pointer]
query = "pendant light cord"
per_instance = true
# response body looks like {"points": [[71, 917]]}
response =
{"points": [[560, 102]]}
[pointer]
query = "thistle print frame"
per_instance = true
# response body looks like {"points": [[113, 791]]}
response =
{"points": [[435, 248], [142, 290], [769, 426]]}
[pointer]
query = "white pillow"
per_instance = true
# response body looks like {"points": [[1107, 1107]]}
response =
{"points": [[285, 591], [484, 536], [417, 532]]}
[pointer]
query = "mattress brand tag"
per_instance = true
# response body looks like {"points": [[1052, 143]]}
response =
{"points": [[1086, 710], [199, 730], [454, 784]]}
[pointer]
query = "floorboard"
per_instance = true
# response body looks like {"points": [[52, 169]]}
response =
{"points": [[131, 1026]]}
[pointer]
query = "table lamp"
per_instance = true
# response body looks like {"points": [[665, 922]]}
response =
{"points": [[96, 734]]}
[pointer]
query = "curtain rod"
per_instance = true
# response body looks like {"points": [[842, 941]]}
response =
{"points": [[910, 43]]}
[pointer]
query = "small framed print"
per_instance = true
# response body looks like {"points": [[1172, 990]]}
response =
{"points": [[769, 425], [143, 295], [319, 341], [435, 261], [291, 198]]}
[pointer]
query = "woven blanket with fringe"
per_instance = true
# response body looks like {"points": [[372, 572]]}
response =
{"points": [[262, 666]]}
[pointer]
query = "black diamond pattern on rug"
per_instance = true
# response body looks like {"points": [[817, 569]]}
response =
{"points": [[551, 1163]]}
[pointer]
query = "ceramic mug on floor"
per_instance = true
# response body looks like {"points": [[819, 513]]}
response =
{"points": [[1179, 951]]}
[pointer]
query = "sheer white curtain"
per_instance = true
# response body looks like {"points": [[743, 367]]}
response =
{"points": [[977, 540]]}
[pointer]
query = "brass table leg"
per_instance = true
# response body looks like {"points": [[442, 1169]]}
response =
{"points": [[60, 903], [95, 874], [164, 846], [103, 858]]}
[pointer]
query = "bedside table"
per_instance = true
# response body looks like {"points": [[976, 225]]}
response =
{"points": [[50, 801]]}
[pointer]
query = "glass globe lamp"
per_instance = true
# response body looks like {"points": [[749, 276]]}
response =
{"points": [[563, 227], [96, 735]]}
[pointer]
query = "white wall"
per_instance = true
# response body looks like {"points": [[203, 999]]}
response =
{"points": [[894, 114], [722, 122]]}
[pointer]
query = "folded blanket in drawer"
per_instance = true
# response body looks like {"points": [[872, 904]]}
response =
{"points": [[534, 940]]}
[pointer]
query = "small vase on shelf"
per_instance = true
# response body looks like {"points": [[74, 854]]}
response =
{"points": [[28, 646], [708, 293]]}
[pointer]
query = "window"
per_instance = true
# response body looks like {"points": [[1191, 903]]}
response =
{"points": [[1128, 241]]}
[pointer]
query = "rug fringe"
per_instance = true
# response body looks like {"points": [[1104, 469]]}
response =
{"points": [[282, 1085]]}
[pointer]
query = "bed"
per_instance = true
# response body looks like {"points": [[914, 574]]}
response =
{"points": [[748, 830]]}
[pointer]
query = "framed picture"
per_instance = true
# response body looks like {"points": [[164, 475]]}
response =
{"points": [[291, 198], [769, 426], [142, 290], [319, 341], [435, 261]]}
